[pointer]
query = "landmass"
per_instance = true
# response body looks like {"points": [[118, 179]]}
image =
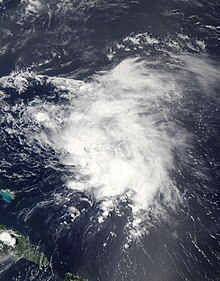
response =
{"points": [[17, 246]]}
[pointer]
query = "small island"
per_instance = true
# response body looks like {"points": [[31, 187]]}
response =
{"points": [[71, 277]]}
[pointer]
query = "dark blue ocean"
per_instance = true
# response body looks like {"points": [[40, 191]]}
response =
{"points": [[110, 137]]}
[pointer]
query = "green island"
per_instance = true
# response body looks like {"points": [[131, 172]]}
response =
{"points": [[71, 277], [17, 246]]}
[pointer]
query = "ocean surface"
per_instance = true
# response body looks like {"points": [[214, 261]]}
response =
{"points": [[110, 137]]}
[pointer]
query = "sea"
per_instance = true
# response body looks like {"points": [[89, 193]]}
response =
{"points": [[110, 138]]}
